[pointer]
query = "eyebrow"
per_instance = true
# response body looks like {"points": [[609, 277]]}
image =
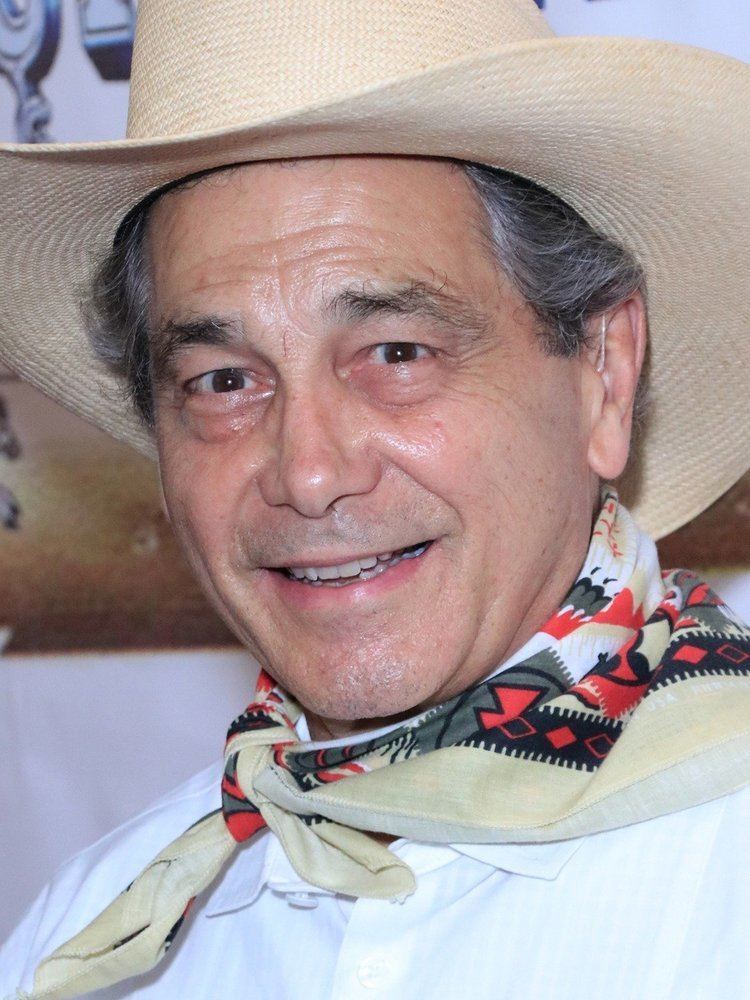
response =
{"points": [[174, 336], [349, 306], [413, 298]]}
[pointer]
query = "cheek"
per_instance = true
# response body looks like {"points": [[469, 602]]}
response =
{"points": [[432, 449], [539, 427], [497, 454]]}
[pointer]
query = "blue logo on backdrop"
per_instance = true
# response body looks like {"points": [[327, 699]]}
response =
{"points": [[107, 35], [29, 38], [29, 34]]}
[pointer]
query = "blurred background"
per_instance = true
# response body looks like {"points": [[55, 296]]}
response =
{"points": [[117, 680]]}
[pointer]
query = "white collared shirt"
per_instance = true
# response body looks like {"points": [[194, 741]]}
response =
{"points": [[656, 910]]}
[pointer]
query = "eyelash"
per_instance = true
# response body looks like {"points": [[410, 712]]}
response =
{"points": [[192, 386]]}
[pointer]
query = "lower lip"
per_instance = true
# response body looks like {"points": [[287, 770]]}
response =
{"points": [[303, 595]]}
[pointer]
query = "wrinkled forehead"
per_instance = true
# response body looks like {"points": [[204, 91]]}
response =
{"points": [[365, 213]]}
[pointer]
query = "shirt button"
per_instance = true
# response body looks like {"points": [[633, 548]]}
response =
{"points": [[372, 972], [301, 900]]}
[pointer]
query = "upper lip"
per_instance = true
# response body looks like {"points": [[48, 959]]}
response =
{"points": [[321, 560]]}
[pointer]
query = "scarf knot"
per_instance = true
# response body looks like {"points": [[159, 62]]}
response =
{"points": [[255, 737]]}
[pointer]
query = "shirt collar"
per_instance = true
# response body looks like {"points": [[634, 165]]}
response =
{"points": [[257, 864], [534, 860], [262, 862]]}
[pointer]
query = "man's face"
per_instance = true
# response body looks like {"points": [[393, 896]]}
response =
{"points": [[345, 379]]}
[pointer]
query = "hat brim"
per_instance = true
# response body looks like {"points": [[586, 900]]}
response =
{"points": [[649, 141]]}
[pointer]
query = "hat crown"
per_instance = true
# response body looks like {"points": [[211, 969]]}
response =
{"points": [[199, 67]]}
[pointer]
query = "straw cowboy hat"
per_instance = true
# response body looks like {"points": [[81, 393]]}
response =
{"points": [[649, 141]]}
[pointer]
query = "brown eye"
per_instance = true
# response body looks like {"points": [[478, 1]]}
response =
{"points": [[227, 380], [399, 353], [221, 380]]}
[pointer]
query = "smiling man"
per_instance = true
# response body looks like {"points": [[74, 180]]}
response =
{"points": [[494, 747], [382, 478]]}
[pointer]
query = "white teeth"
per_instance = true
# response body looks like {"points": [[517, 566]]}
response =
{"points": [[316, 574], [350, 568]]}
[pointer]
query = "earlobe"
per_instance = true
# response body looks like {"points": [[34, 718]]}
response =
{"points": [[615, 363]]}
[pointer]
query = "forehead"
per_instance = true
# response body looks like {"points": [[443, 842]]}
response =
{"points": [[369, 212]]}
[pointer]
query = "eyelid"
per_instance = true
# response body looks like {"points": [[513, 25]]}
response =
{"points": [[190, 386]]}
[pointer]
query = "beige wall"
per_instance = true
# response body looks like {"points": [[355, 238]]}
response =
{"points": [[92, 563]]}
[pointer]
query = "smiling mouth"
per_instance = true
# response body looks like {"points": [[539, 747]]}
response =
{"points": [[356, 571]]}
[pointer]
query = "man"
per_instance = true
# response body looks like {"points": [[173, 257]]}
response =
{"points": [[493, 749]]}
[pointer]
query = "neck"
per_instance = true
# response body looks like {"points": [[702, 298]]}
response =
{"points": [[335, 729]]}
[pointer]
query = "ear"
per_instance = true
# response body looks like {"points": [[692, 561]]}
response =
{"points": [[610, 380], [163, 500]]}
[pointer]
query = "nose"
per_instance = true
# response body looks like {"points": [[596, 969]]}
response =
{"points": [[318, 453]]}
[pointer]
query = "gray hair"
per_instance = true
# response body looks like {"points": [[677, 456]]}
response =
{"points": [[566, 271]]}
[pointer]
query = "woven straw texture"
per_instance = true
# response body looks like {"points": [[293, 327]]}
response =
{"points": [[648, 140]]}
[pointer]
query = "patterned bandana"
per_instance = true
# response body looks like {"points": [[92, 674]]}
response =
{"points": [[632, 701]]}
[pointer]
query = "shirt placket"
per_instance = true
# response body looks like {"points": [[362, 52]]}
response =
{"points": [[376, 954]]}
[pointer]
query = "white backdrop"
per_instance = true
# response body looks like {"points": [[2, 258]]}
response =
{"points": [[87, 741], [723, 25]]}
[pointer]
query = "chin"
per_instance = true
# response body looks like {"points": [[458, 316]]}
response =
{"points": [[363, 695]]}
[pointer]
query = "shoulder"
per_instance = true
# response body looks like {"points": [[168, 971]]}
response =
{"points": [[693, 854], [89, 881]]}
